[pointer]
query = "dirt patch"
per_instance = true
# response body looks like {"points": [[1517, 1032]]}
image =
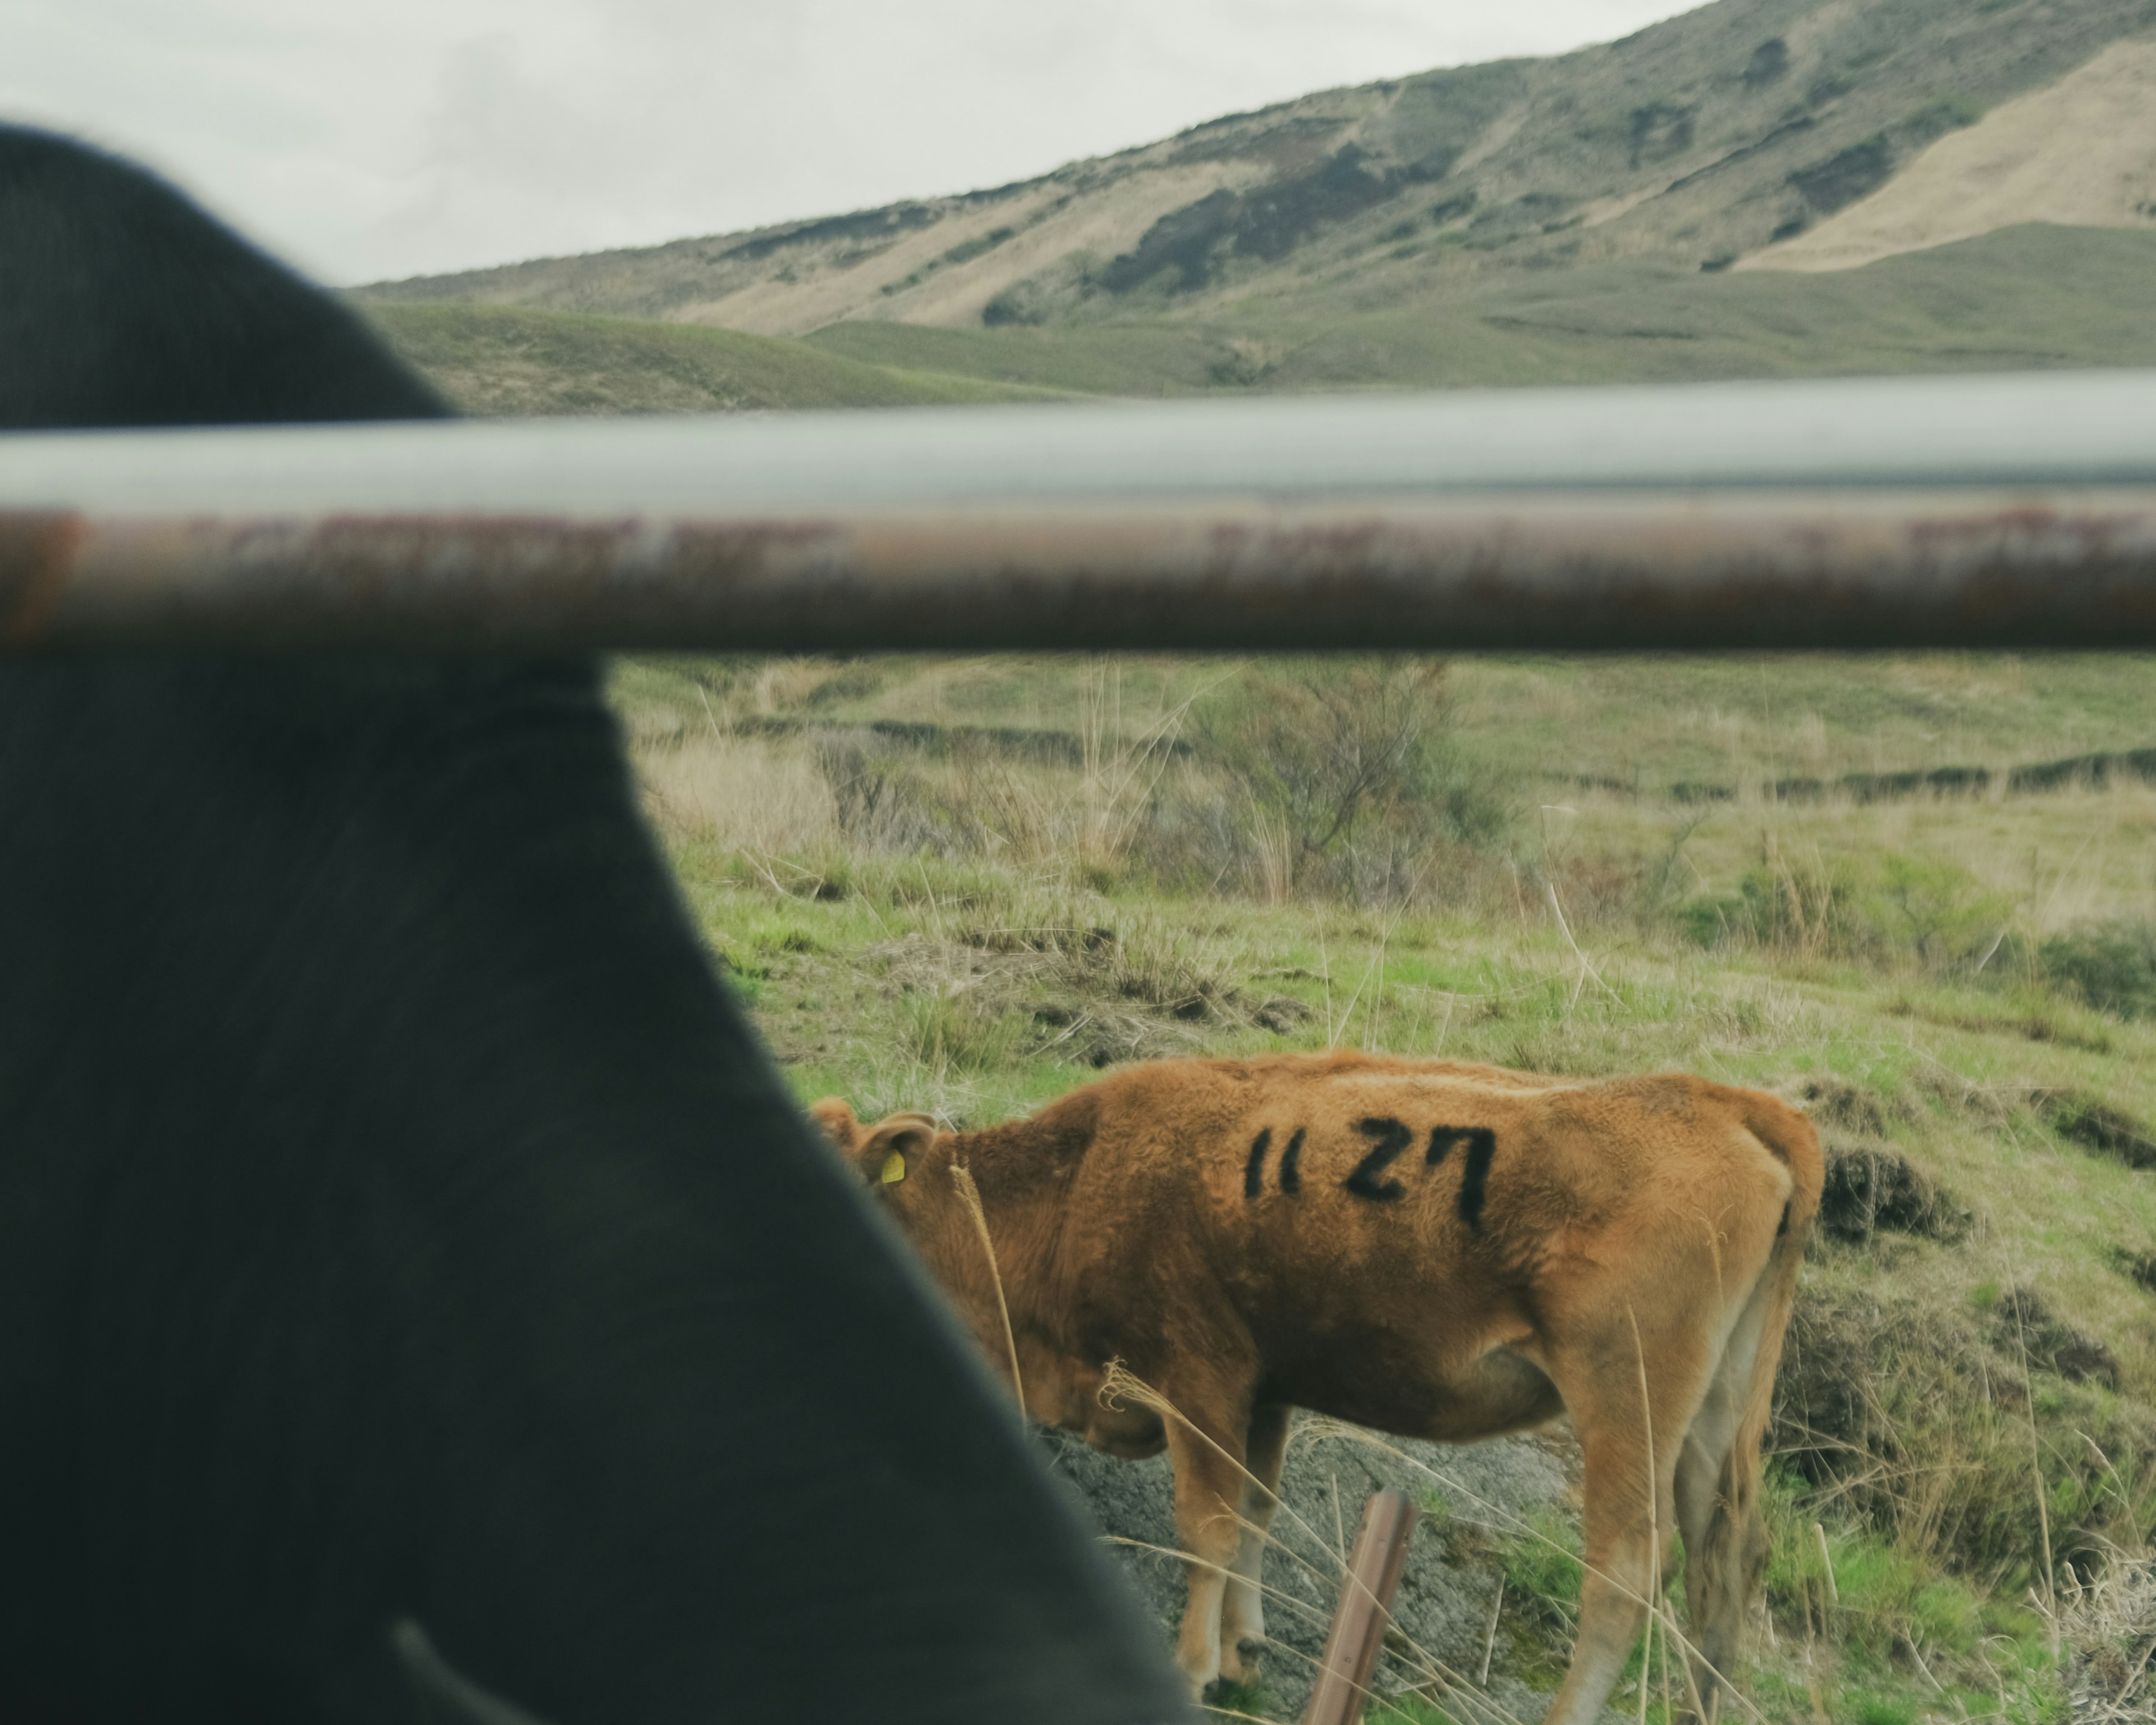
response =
{"points": [[1871, 1187], [1280, 1015], [1085, 997], [2022, 1319], [1099, 1037], [1471, 1494], [1833, 1102], [1910, 1413], [2138, 1268], [2093, 1123], [2079, 1117]]}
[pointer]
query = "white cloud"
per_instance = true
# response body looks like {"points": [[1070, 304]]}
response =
{"points": [[410, 135]]}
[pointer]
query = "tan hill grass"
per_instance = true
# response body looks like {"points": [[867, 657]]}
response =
{"points": [[2080, 152], [496, 360]]}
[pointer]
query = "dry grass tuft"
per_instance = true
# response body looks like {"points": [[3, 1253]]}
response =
{"points": [[2111, 1678], [741, 793]]}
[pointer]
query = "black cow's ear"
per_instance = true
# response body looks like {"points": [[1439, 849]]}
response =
{"points": [[440, 1693], [894, 1149]]}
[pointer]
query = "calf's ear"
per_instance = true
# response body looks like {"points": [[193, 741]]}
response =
{"points": [[836, 1120], [891, 1150]]}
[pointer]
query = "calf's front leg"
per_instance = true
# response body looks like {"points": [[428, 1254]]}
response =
{"points": [[1207, 1457], [1243, 1609]]}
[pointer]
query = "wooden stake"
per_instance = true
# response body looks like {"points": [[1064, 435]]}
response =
{"points": [[1360, 1620]]}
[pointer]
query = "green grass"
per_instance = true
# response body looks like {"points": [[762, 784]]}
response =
{"points": [[515, 361], [1542, 1571], [1124, 358]]}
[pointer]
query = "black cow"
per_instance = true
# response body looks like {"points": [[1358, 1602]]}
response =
{"points": [[418, 1298]]}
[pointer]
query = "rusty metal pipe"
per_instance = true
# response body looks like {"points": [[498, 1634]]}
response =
{"points": [[1957, 512]]}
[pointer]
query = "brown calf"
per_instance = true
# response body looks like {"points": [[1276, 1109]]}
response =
{"points": [[1435, 1250]]}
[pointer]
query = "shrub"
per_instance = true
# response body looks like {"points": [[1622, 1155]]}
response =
{"points": [[1344, 773], [1888, 908], [740, 792], [1940, 116], [2111, 966], [1843, 178], [881, 799]]}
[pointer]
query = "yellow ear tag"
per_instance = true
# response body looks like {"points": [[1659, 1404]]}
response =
{"points": [[894, 1168]]}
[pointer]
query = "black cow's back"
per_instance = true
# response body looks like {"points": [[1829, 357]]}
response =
{"points": [[120, 303], [398, 1224]]}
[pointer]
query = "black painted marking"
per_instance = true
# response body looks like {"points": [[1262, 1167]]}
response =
{"points": [[1442, 1138], [1253, 1170], [1291, 1177], [1391, 1137], [1481, 1145]]}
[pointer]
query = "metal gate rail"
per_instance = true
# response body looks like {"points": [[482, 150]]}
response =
{"points": [[2012, 512]]}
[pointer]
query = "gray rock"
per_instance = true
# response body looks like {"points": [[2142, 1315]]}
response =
{"points": [[1441, 1613]]}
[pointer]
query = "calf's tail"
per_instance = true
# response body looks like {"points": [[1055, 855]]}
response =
{"points": [[1734, 1553], [1789, 1138]]}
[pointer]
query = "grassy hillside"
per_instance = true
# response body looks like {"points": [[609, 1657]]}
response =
{"points": [[502, 361], [1697, 143], [2027, 297], [966, 886]]}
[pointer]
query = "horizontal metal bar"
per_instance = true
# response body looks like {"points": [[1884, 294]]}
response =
{"points": [[1844, 569], [2052, 429], [2012, 512]]}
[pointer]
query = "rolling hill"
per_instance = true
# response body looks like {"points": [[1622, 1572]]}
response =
{"points": [[1755, 187]]}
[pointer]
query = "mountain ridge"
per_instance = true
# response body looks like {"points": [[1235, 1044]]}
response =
{"points": [[1702, 141]]}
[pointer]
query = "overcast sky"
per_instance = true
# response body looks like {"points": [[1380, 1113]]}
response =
{"points": [[366, 138]]}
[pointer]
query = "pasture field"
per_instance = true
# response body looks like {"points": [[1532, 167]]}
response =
{"points": [[966, 886]]}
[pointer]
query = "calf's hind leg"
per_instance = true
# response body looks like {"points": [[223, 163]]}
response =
{"points": [[1243, 1609], [1718, 1493], [1630, 1514]]}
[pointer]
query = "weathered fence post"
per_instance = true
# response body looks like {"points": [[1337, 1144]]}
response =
{"points": [[1365, 1610]]}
